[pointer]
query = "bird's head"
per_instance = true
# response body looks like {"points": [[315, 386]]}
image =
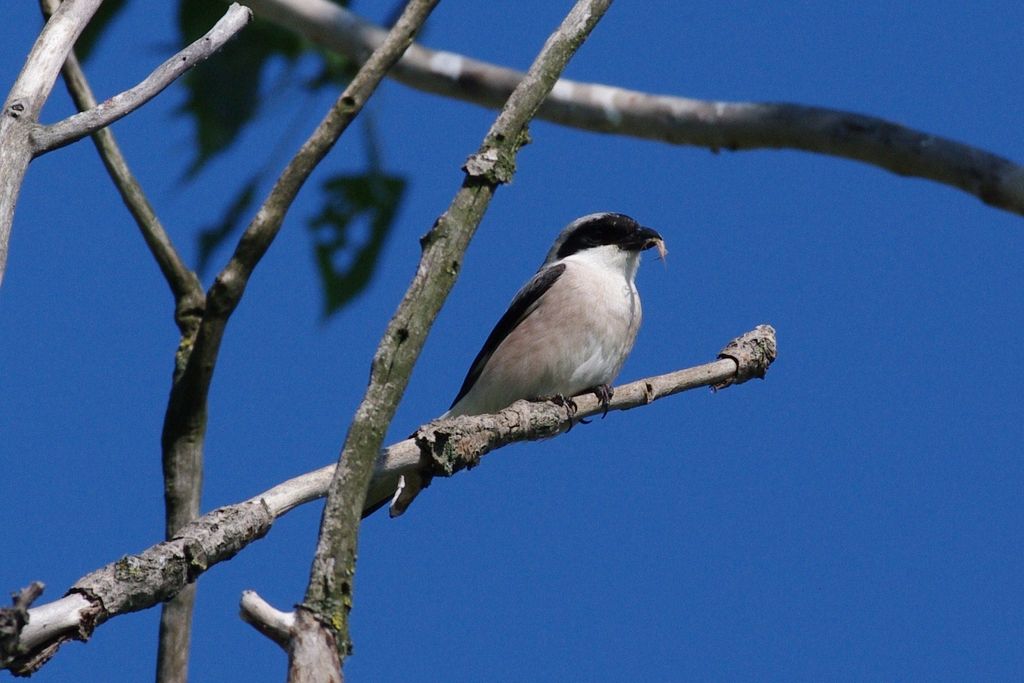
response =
{"points": [[599, 230]]}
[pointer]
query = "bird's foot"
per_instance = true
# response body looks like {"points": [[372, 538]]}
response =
{"points": [[570, 408], [604, 394]]}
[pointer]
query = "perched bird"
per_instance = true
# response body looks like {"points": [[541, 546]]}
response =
{"points": [[567, 331], [570, 328]]}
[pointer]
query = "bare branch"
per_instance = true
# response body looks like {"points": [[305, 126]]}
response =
{"points": [[184, 429], [14, 618], [137, 582], [141, 581], [184, 284], [448, 446], [25, 100], [329, 592], [185, 420], [49, 627], [271, 622], [183, 441], [265, 225], [312, 653], [733, 126], [48, 138]]}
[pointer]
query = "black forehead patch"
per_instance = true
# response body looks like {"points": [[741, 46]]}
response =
{"points": [[597, 230]]}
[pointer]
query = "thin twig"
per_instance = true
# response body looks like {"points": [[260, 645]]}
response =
{"points": [[265, 225], [184, 284], [48, 138], [140, 581], [716, 125]]}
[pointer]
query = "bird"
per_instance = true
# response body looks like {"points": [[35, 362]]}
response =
{"points": [[569, 329]]}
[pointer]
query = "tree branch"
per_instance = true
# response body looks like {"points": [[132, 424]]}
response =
{"points": [[183, 483], [329, 592], [25, 100], [54, 136], [446, 447], [272, 623], [733, 126], [185, 420], [267, 222], [140, 581], [13, 620], [185, 286]]}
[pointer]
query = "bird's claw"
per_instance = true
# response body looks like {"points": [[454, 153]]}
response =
{"points": [[567, 402], [570, 408], [604, 394]]}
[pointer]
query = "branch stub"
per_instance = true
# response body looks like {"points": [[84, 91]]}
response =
{"points": [[753, 353]]}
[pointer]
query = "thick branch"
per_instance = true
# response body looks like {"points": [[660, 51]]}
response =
{"points": [[716, 125], [329, 593], [25, 100], [184, 284], [48, 138], [137, 582]]}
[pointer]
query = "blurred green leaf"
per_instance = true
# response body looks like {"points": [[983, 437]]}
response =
{"points": [[337, 69], [224, 92], [95, 28], [212, 237], [345, 259], [224, 95]]}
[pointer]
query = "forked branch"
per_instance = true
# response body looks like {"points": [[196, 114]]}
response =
{"points": [[185, 286], [76, 127]]}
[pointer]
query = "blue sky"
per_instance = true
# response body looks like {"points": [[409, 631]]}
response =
{"points": [[856, 516]]}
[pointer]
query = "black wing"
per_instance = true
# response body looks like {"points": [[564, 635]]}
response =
{"points": [[522, 305]]}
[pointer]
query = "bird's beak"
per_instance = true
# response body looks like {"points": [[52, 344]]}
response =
{"points": [[648, 238]]}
